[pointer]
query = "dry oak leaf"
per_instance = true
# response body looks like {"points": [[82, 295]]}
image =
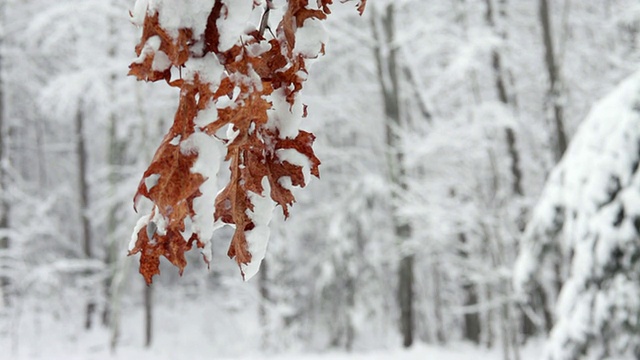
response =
{"points": [[177, 50], [250, 163], [170, 245], [171, 186], [253, 154]]}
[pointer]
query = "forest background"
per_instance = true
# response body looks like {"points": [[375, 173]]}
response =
{"points": [[437, 124]]}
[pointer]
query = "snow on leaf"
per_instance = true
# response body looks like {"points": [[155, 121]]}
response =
{"points": [[176, 50], [251, 87]]}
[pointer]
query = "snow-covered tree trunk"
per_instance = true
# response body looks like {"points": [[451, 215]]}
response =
{"points": [[387, 67], [588, 220], [438, 305], [542, 297], [115, 159], [472, 326], [263, 306], [148, 315], [121, 266], [4, 203], [496, 21], [83, 206], [555, 90], [112, 250]]}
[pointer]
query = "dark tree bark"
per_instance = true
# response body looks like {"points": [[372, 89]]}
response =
{"points": [[528, 327], [387, 66], [472, 326], [83, 191], [503, 96], [5, 281], [115, 161], [83, 184], [263, 288], [560, 146], [351, 287], [438, 304], [553, 73], [471, 319], [148, 315], [350, 332]]}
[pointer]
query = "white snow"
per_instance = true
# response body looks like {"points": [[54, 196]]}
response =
{"points": [[151, 181], [420, 352], [208, 69], [161, 61], [210, 153], [150, 47], [258, 237], [292, 156], [231, 27], [142, 222], [257, 49], [175, 14], [204, 328], [282, 116], [188, 229], [207, 115], [310, 38], [586, 212], [160, 223], [176, 140], [139, 12]]}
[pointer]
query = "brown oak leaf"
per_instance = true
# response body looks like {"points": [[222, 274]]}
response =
{"points": [[243, 96]]}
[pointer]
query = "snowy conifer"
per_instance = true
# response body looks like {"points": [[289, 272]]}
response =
{"points": [[584, 237]]}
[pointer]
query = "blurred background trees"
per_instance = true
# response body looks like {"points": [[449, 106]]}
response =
{"points": [[438, 123]]}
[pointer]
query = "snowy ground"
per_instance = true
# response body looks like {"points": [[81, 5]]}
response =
{"points": [[188, 339], [420, 352], [193, 327]]}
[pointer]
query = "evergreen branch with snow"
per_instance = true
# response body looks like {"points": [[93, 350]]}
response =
{"points": [[583, 239]]}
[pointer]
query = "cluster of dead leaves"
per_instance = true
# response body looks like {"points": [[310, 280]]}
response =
{"points": [[251, 154]]}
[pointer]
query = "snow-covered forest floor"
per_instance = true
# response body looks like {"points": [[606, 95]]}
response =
{"points": [[458, 351], [419, 352], [185, 331]]}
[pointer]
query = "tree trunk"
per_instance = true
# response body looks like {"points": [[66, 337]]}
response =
{"points": [[40, 130], [472, 326], [405, 298], [503, 96], [386, 61], [263, 288], [83, 186], [560, 146], [83, 189], [5, 281], [115, 162], [438, 304], [350, 332], [351, 285], [516, 173], [112, 252], [528, 327], [554, 92], [471, 319], [122, 264], [114, 301], [148, 315]]}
